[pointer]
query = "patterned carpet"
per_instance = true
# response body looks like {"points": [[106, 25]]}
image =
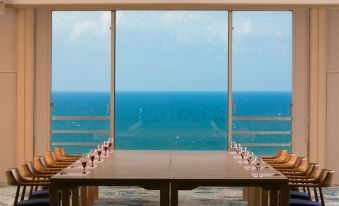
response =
{"points": [[132, 196]]}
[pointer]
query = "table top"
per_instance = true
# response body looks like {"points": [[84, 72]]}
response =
{"points": [[170, 165]]}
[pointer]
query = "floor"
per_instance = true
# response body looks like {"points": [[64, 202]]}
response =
{"points": [[131, 196]]}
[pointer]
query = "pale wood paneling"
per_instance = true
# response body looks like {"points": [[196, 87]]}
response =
{"points": [[7, 121], [332, 39], [8, 48], [300, 82], [42, 82], [332, 143]]}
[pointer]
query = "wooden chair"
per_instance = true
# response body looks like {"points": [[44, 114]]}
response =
{"points": [[324, 179], [283, 158], [41, 167], [279, 153], [302, 167], [60, 155], [14, 178], [293, 162], [52, 162]]}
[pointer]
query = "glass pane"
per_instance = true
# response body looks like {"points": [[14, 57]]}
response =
{"points": [[81, 74], [262, 77], [171, 80]]}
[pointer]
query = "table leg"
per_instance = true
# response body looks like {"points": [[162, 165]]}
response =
{"points": [[174, 194], [75, 196], [273, 198], [264, 197], [96, 192], [285, 195], [53, 194], [164, 194], [90, 195], [65, 197], [83, 196]]}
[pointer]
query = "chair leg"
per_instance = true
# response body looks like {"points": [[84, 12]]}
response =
{"points": [[30, 192], [316, 194], [321, 197], [23, 193], [309, 193], [16, 196]]}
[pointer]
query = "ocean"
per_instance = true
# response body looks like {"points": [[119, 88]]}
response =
{"points": [[172, 120]]}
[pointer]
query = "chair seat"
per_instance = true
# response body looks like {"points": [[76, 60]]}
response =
{"points": [[299, 195], [40, 194], [34, 202], [299, 202]]}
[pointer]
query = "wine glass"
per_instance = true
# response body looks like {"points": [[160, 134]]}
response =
{"points": [[84, 161], [258, 163], [249, 157], [92, 156], [99, 151], [105, 148], [233, 146], [242, 153], [110, 143], [238, 148]]}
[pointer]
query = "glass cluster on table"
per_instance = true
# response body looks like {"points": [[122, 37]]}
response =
{"points": [[97, 155], [247, 156]]}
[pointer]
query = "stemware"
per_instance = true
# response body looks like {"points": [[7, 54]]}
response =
{"points": [[258, 163], [110, 143], [99, 151], [84, 161], [92, 156], [238, 148], [105, 148], [249, 157], [243, 153]]}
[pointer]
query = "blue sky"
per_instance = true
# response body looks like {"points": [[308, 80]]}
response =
{"points": [[172, 51]]}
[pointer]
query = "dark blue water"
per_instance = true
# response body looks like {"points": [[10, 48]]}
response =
{"points": [[172, 120]]}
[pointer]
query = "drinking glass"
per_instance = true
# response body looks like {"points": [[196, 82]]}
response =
{"points": [[233, 146], [258, 163], [249, 157], [110, 143], [238, 148], [242, 153], [84, 161], [92, 156], [105, 147], [99, 151]]}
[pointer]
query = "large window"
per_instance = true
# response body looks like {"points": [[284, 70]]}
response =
{"points": [[170, 85], [171, 80], [262, 80], [81, 80]]}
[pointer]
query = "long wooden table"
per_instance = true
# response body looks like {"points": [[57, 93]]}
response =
{"points": [[169, 172]]}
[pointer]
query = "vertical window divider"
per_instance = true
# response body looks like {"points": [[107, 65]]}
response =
{"points": [[229, 92], [112, 100]]}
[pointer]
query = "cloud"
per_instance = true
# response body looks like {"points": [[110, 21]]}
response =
{"points": [[97, 27], [244, 27]]}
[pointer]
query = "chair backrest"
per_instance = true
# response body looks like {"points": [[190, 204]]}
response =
{"points": [[298, 161], [328, 180], [25, 171], [303, 165], [38, 164], [48, 158], [58, 153], [17, 176], [31, 167], [309, 169], [315, 172], [10, 178]]}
